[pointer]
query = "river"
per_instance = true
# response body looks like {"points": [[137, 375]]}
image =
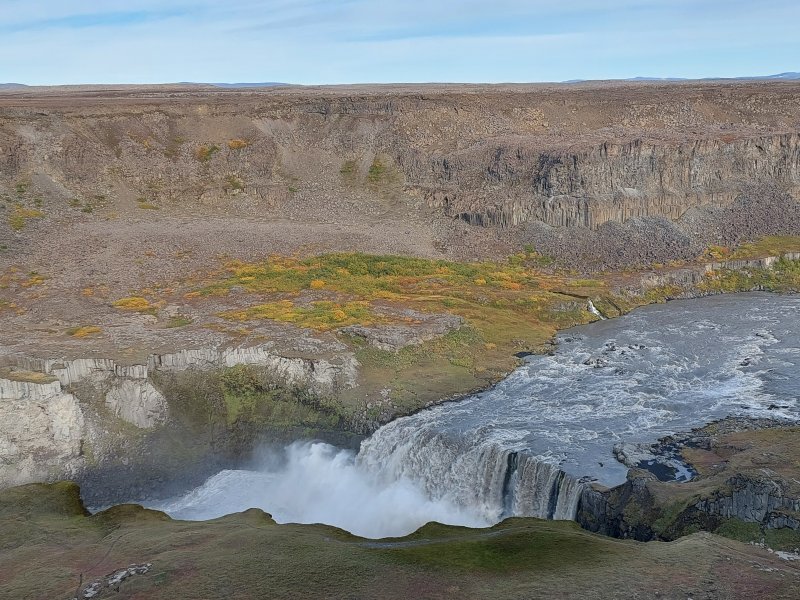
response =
{"points": [[527, 446]]}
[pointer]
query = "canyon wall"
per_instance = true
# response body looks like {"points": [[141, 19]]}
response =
{"points": [[610, 181], [65, 418], [565, 156]]}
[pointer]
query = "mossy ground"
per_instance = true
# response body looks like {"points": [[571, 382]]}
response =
{"points": [[47, 544], [508, 307]]}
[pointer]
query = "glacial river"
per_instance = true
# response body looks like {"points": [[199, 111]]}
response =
{"points": [[527, 446]]}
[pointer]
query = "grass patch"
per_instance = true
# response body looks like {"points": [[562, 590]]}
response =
{"points": [[144, 204], [784, 276], [233, 184], [494, 297], [33, 280], [322, 315], [513, 547], [349, 168], [377, 171], [773, 245], [135, 304], [237, 144], [83, 331], [25, 376], [205, 152], [20, 216], [178, 321]]}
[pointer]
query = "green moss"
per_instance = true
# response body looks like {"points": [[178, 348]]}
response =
{"points": [[178, 321], [39, 499], [515, 547], [377, 171], [250, 397], [739, 530]]}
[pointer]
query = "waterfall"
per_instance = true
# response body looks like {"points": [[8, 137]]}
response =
{"points": [[470, 472], [594, 311]]}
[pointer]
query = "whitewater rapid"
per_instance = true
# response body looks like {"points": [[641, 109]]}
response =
{"points": [[527, 446]]}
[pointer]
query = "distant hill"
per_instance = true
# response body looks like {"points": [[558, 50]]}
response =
{"points": [[249, 85], [12, 86], [789, 75]]}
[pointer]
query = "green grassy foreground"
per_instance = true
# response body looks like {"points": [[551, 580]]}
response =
{"points": [[47, 543]]}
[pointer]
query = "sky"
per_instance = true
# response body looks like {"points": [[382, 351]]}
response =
{"points": [[48, 42]]}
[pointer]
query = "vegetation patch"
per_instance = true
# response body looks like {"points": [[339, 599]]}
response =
{"points": [[84, 331], [145, 204], [321, 315], [20, 216], [773, 245], [513, 547], [135, 303], [178, 321], [205, 152], [233, 184], [349, 169], [377, 171], [26, 376], [501, 300], [34, 279], [238, 144], [784, 276]]}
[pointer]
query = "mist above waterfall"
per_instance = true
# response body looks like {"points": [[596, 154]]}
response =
{"points": [[317, 483]]}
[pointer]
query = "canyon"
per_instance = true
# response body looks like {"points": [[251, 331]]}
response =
{"points": [[187, 273]]}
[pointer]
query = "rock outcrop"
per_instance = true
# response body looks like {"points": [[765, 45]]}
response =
{"points": [[41, 432], [69, 415], [763, 500], [610, 181], [751, 493]]}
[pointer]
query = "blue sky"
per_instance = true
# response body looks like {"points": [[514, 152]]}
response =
{"points": [[347, 41]]}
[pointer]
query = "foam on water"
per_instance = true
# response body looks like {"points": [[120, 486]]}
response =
{"points": [[523, 447]]}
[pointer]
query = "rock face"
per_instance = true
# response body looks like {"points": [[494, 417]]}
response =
{"points": [[76, 408], [634, 511], [41, 433], [612, 181], [765, 501], [752, 487], [421, 328]]}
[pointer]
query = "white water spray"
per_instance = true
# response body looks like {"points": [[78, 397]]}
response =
{"points": [[317, 483]]}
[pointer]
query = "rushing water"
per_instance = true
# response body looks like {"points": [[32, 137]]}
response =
{"points": [[523, 447]]}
